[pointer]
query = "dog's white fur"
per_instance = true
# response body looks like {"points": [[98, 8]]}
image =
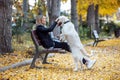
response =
{"points": [[69, 33]]}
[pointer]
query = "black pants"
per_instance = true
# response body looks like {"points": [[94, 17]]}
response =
{"points": [[62, 45]]}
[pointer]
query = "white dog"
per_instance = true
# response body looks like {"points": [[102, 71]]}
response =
{"points": [[78, 52]]}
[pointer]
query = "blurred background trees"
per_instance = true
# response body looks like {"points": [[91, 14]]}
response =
{"points": [[95, 11]]}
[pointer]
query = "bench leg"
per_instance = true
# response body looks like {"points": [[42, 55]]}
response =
{"points": [[34, 59], [94, 44], [45, 59]]}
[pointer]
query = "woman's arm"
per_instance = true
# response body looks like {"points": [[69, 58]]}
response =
{"points": [[43, 29]]}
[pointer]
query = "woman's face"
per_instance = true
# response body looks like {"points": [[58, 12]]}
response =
{"points": [[43, 20]]}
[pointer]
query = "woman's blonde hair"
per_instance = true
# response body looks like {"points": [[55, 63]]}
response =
{"points": [[39, 17]]}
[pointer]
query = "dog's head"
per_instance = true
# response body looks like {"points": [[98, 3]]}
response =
{"points": [[62, 20]]}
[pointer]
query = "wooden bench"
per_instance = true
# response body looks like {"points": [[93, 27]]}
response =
{"points": [[96, 38], [38, 52]]}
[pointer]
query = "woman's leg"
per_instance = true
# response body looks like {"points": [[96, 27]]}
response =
{"points": [[62, 45]]}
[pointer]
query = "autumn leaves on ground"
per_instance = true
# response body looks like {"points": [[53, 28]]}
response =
{"points": [[107, 66]]}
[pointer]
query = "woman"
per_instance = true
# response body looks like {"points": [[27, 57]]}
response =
{"points": [[44, 36]]}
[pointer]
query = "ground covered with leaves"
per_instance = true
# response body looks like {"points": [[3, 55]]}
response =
{"points": [[107, 66]]}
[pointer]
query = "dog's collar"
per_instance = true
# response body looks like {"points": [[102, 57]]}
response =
{"points": [[66, 22]]}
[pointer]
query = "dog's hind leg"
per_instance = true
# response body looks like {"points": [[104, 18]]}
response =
{"points": [[81, 64], [85, 53], [76, 64]]}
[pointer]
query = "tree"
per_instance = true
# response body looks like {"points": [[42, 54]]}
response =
{"points": [[53, 7], [39, 7], [91, 17], [25, 10], [97, 27], [94, 9], [105, 7], [20, 16], [74, 16], [5, 26]]}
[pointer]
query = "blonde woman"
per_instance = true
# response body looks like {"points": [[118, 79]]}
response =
{"points": [[44, 36]]}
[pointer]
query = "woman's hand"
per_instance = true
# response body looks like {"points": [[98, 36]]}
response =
{"points": [[59, 22]]}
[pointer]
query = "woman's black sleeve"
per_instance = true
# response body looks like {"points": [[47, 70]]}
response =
{"points": [[43, 29]]}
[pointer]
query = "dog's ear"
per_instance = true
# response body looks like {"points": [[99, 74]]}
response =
{"points": [[62, 20]]}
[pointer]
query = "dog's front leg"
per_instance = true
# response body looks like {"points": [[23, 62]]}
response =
{"points": [[62, 38]]}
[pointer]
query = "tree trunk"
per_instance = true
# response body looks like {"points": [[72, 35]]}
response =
{"points": [[25, 10], [74, 16], [5, 26], [107, 18], [80, 20], [97, 18], [91, 18], [23, 63], [81, 26], [53, 12]]}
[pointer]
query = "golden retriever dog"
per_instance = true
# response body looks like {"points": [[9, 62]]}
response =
{"points": [[77, 49]]}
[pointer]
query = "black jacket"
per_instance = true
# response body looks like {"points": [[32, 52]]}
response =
{"points": [[43, 35]]}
